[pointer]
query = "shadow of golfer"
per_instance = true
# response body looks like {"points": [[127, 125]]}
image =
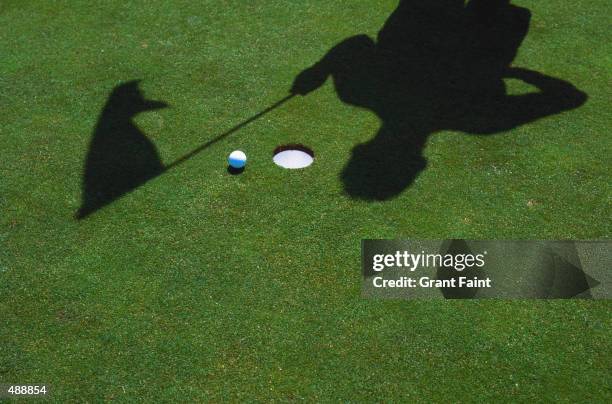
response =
{"points": [[436, 65], [120, 157]]}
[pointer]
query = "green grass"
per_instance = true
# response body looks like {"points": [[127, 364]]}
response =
{"points": [[199, 285]]}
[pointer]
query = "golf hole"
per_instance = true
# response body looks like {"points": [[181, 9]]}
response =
{"points": [[293, 157]]}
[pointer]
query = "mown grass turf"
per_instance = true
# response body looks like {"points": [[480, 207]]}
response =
{"points": [[199, 285]]}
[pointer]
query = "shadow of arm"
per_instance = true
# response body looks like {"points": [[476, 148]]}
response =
{"points": [[343, 54], [555, 96]]}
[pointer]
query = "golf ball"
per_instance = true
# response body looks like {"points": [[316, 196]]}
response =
{"points": [[237, 159]]}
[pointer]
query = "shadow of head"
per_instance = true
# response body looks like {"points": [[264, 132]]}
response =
{"points": [[487, 6], [128, 99]]}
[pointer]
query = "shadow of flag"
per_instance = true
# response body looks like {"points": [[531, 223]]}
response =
{"points": [[120, 156]]}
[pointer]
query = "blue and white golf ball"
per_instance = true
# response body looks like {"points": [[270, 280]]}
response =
{"points": [[237, 159]]}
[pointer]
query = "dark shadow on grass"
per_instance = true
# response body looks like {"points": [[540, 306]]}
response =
{"points": [[436, 65], [234, 171], [120, 157], [449, 273]]}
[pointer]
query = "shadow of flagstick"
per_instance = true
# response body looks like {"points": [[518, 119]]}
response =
{"points": [[241, 125]]}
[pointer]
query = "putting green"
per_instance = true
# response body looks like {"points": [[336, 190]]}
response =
{"points": [[192, 284]]}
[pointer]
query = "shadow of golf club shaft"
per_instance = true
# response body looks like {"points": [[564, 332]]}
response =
{"points": [[227, 133]]}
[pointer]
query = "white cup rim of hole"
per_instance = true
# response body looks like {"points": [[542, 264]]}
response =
{"points": [[293, 156]]}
